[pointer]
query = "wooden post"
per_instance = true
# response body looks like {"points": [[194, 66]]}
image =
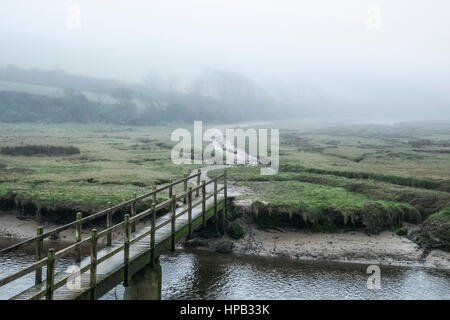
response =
{"points": [[39, 249], [50, 281], [215, 206], [170, 189], [225, 213], [126, 249], [108, 225], [185, 184], [93, 266], [39, 214], [190, 213], [154, 194], [133, 213], [198, 182], [204, 203], [152, 235], [172, 229], [78, 237]]}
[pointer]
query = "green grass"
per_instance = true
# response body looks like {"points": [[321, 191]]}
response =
{"points": [[371, 173], [115, 162], [426, 183], [324, 169], [314, 199], [426, 201], [443, 215]]}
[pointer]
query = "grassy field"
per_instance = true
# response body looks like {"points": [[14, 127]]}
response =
{"points": [[363, 175], [114, 162], [376, 176]]}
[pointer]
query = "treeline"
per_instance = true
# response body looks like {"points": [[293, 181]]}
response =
{"points": [[31, 150], [217, 97], [25, 107]]}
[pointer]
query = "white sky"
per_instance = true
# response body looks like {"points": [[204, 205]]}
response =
{"points": [[324, 42]]}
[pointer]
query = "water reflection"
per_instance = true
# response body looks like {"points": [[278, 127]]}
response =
{"points": [[198, 274]]}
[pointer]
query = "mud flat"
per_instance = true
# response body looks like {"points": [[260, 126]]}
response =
{"points": [[16, 226], [386, 248]]}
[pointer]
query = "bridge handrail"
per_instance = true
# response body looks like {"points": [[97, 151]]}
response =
{"points": [[95, 215], [59, 254]]}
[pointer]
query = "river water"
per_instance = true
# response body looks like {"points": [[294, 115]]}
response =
{"points": [[196, 274]]}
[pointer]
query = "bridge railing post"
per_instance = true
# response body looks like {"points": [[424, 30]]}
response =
{"points": [[185, 186], [204, 203], [154, 194], [78, 237], [215, 206], [108, 225], [152, 236], [170, 189], [199, 172], [133, 213], [93, 265], [190, 213], [126, 249], [50, 280], [225, 209], [172, 228], [39, 249]]}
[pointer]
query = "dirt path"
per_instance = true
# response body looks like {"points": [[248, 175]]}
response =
{"points": [[232, 189]]}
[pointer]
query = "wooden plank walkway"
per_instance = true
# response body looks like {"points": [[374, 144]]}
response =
{"points": [[110, 267]]}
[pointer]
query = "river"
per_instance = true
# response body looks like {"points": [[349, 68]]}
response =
{"points": [[196, 274]]}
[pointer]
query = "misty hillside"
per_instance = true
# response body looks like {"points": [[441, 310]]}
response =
{"points": [[29, 95], [57, 96]]}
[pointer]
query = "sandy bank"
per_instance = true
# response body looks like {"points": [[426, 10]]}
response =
{"points": [[386, 248], [12, 225]]}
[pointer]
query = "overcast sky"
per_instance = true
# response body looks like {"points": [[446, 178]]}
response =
{"points": [[347, 47]]}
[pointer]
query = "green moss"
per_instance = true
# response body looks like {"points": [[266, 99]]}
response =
{"points": [[441, 215], [235, 230], [402, 231]]}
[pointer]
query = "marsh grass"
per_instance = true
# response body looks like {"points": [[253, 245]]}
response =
{"points": [[32, 150], [87, 181], [443, 215]]}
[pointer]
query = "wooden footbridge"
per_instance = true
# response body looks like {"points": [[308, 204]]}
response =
{"points": [[121, 250]]}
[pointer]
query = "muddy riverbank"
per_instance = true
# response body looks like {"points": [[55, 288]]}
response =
{"points": [[386, 248]]}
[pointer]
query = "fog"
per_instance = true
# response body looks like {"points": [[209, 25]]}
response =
{"points": [[353, 57]]}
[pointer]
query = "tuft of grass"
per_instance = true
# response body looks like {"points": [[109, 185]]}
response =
{"points": [[443, 215], [402, 231]]}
